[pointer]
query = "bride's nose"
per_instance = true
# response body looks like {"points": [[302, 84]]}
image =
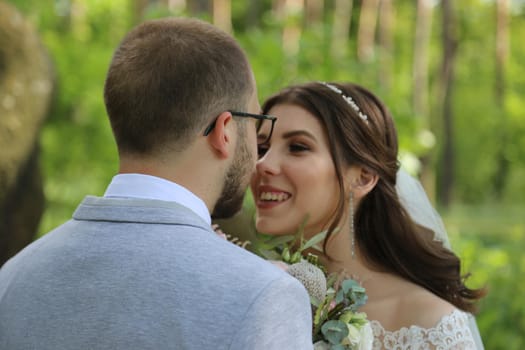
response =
{"points": [[268, 164]]}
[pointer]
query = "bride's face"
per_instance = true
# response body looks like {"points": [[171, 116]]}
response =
{"points": [[295, 176]]}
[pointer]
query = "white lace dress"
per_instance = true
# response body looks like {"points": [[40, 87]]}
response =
{"points": [[451, 333]]}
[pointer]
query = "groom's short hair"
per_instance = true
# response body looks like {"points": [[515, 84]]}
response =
{"points": [[168, 79]]}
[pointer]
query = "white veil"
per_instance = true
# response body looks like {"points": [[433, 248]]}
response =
{"points": [[415, 200]]}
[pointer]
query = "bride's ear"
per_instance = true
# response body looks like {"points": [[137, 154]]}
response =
{"points": [[361, 180]]}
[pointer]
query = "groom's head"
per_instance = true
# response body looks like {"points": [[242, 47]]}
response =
{"points": [[168, 81]]}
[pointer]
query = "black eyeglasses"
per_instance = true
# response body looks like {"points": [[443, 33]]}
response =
{"points": [[260, 120]]}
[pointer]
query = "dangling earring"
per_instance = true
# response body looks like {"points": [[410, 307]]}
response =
{"points": [[352, 233]]}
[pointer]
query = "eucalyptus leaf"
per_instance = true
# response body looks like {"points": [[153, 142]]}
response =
{"points": [[315, 240], [340, 296], [334, 331], [350, 284], [339, 347]]}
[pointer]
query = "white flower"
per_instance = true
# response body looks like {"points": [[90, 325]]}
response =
{"points": [[367, 337], [360, 337], [354, 336], [321, 345]]}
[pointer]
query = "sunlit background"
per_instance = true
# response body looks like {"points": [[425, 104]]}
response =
{"points": [[452, 72]]}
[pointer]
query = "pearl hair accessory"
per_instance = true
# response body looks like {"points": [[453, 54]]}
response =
{"points": [[348, 100]]}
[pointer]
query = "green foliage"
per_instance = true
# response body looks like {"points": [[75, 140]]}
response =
{"points": [[492, 252], [81, 37], [289, 248], [79, 155]]}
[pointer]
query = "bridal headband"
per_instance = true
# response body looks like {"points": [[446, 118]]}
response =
{"points": [[348, 100]]}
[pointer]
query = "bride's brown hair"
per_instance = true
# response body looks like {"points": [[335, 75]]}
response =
{"points": [[386, 235]]}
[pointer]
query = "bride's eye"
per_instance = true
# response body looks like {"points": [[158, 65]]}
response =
{"points": [[298, 147], [262, 149]]}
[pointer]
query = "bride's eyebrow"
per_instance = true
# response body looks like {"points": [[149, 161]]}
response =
{"points": [[293, 133]]}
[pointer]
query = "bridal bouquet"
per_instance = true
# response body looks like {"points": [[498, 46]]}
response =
{"points": [[337, 324]]}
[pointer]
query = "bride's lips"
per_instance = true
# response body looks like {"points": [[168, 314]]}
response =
{"points": [[269, 197]]}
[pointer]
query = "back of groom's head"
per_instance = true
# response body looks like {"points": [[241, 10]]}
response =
{"points": [[168, 79]]}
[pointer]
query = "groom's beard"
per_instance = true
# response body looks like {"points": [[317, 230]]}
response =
{"points": [[235, 184]]}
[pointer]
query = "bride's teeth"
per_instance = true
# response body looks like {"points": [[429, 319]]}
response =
{"points": [[270, 196]]}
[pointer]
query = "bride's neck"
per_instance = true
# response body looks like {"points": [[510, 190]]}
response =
{"points": [[340, 258]]}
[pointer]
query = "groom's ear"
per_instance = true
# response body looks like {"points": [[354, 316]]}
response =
{"points": [[220, 138]]}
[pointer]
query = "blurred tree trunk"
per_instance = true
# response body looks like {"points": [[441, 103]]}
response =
{"points": [[341, 28], [26, 81], [420, 86], [313, 12], [502, 54], [293, 12], [175, 5], [253, 14], [222, 14], [386, 30], [446, 166], [198, 7], [139, 9], [366, 31], [420, 68], [278, 8]]}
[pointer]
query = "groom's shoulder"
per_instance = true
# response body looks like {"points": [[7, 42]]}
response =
{"points": [[240, 259], [231, 261]]}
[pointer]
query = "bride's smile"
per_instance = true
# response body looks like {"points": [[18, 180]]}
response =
{"points": [[268, 195]]}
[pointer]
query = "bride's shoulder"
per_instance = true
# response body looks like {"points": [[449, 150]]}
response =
{"points": [[408, 305], [410, 316], [451, 331]]}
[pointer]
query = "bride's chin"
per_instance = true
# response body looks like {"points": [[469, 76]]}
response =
{"points": [[268, 229], [271, 232]]}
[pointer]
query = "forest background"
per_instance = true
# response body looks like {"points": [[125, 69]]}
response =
{"points": [[452, 73]]}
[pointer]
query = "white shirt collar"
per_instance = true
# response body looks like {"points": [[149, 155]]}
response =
{"points": [[152, 187]]}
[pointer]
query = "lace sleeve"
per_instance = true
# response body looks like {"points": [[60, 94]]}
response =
{"points": [[451, 333]]}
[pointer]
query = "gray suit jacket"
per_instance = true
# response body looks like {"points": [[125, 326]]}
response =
{"points": [[146, 274]]}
